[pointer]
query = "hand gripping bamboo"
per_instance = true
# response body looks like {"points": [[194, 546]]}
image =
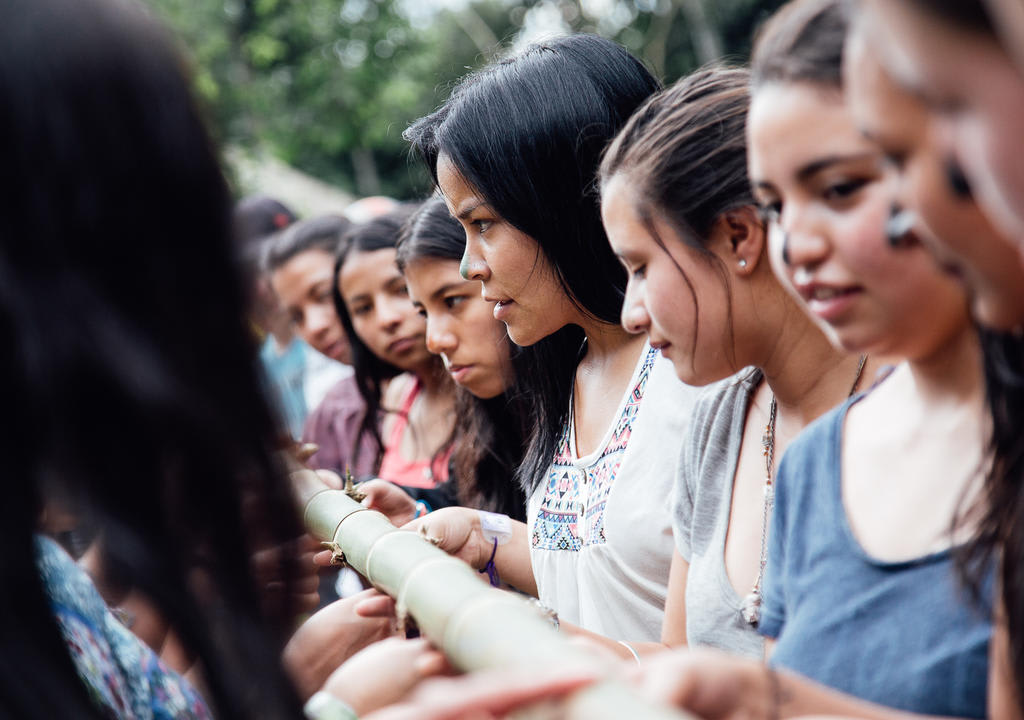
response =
{"points": [[477, 626]]}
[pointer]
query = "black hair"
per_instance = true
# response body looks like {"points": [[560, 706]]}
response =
{"points": [[802, 42], [963, 14], [371, 372], [684, 153], [320, 233], [107, 320], [490, 434], [999, 533], [255, 219], [527, 133]]}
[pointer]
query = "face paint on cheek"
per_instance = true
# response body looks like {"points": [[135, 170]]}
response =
{"points": [[464, 264]]}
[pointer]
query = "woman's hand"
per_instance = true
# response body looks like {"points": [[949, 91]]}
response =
{"points": [[331, 636], [390, 500], [384, 673], [306, 483], [487, 694], [456, 530], [710, 684], [266, 568]]}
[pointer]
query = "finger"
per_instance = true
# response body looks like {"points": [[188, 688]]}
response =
{"points": [[323, 558], [378, 606], [331, 479], [305, 451], [431, 663]]}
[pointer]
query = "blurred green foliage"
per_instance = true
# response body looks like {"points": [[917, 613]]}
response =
{"points": [[328, 85]]}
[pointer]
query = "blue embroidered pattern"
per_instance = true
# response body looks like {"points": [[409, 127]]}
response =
{"points": [[572, 491]]}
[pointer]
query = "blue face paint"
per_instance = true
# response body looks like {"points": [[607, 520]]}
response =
{"points": [[464, 265]]}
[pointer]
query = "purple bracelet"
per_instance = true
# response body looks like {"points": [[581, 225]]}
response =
{"points": [[490, 569]]}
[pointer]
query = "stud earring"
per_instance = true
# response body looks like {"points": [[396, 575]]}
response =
{"points": [[743, 263]]}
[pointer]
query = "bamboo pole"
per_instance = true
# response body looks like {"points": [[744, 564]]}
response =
{"points": [[477, 626]]}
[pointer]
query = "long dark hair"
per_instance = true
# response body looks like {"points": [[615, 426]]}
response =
{"points": [[1000, 527], [370, 371], [685, 155], [490, 434], [116, 282], [527, 133]]}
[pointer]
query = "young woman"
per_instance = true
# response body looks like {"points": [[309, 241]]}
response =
{"points": [[988, 264], [300, 262], [939, 50], [679, 214], [122, 409], [491, 426], [861, 593], [412, 419], [514, 152]]}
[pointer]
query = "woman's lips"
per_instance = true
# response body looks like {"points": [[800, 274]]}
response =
{"points": [[829, 302], [403, 345], [502, 308], [460, 372]]}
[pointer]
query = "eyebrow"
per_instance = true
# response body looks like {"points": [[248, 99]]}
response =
{"points": [[466, 212], [443, 289], [811, 169]]}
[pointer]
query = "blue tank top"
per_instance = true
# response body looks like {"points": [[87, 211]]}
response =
{"points": [[906, 635]]}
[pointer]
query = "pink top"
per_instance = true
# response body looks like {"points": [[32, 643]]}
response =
{"points": [[411, 473]]}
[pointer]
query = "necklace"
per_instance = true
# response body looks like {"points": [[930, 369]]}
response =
{"points": [[751, 610]]}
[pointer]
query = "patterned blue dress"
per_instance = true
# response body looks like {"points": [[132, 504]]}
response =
{"points": [[122, 674]]}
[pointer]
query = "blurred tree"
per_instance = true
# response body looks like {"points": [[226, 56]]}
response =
{"points": [[328, 85]]}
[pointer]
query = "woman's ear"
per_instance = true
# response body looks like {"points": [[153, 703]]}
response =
{"points": [[739, 236]]}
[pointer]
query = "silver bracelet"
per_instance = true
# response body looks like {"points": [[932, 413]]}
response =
{"points": [[324, 706], [632, 652]]}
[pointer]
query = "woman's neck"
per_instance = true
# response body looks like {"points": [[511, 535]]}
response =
{"points": [[433, 379], [807, 375], [952, 372], [606, 342]]}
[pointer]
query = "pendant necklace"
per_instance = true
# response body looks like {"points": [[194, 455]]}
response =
{"points": [[751, 610]]}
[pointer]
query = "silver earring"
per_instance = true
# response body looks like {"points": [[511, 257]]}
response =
{"points": [[743, 263]]}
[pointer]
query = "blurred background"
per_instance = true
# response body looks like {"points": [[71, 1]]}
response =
{"points": [[310, 97]]}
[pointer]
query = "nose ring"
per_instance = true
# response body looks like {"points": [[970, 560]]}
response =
{"points": [[786, 260], [899, 226]]}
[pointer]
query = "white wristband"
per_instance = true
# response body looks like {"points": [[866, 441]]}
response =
{"points": [[495, 527]]}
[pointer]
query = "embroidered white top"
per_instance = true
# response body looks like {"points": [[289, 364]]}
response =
{"points": [[600, 526]]}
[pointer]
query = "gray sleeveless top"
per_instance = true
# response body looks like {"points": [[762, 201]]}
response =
{"points": [[702, 498]]}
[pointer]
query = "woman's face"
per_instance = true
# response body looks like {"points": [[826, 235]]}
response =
{"points": [[676, 294], [517, 279], [382, 315], [303, 286], [824, 188], [460, 326], [959, 235], [975, 93]]}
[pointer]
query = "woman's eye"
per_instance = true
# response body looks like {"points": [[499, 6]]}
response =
{"points": [[770, 212], [421, 312], [359, 310], [640, 271], [482, 226], [843, 190], [453, 301]]}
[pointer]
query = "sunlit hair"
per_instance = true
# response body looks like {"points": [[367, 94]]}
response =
{"points": [[802, 42]]}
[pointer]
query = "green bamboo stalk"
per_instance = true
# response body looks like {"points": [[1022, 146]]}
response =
{"points": [[477, 626]]}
